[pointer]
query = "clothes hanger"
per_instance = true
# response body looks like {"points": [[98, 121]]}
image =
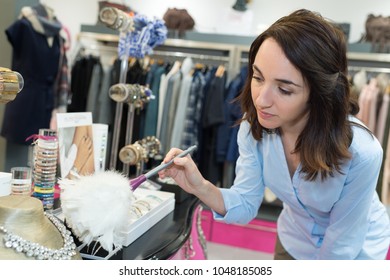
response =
{"points": [[220, 71], [387, 90]]}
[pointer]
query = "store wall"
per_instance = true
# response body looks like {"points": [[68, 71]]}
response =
{"points": [[209, 15]]}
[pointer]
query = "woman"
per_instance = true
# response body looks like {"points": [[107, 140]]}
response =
{"points": [[298, 137]]}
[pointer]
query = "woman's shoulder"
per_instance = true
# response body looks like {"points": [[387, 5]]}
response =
{"points": [[244, 133], [245, 127], [364, 142]]}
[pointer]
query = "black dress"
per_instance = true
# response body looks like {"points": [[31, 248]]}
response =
{"points": [[38, 62]]}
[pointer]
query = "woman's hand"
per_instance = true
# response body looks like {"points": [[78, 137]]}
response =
{"points": [[187, 175], [184, 171]]}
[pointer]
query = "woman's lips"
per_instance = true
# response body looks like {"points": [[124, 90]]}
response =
{"points": [[265, 115]]}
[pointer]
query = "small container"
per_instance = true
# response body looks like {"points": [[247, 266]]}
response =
{"points": [[21, 181]]}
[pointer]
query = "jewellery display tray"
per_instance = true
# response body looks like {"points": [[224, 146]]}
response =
{"points": [[180, 194], [145, 222], [138, 227]]}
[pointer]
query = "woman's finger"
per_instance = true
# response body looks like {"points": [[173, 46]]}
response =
{"points": [[171, 154]]}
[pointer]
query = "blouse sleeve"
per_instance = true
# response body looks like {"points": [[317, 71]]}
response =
{"points": [[243, 199]]}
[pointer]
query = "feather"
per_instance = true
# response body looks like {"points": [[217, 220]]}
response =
{"points": [[96, 207]]}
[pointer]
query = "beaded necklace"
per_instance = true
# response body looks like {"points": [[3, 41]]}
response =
{"points": [[37, 251]]}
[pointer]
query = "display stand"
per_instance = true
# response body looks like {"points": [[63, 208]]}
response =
{"points": [[119, 109], [137, 37], [118, 20]]}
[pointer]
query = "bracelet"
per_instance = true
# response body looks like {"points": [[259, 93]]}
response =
{"points": [[136, 211], [143, 203], [155, 198], [44, 190]]}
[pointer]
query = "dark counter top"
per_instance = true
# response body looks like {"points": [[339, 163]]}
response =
{"points": [[162, 240]]}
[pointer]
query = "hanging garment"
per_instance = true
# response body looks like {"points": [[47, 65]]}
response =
{"points": [[162, 92], [151, 109], [178, 125], [169, 108], [193, 115], [212, 118], [384, 108], [36, 42], [82, 73], [227, 132]]}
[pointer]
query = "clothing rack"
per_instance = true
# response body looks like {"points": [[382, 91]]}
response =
{"points": [[85, 46], [242, 54], [192, 55], [113, 49], [215, 53], [369, 69], [370, 60]]}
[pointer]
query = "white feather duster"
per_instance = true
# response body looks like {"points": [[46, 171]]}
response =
{"points": [[96, 207]]}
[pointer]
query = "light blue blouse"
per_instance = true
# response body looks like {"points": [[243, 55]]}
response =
{"points": [[339, 218]]}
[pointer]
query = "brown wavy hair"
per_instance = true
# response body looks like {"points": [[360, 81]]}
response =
{"points": [[317, 48]]}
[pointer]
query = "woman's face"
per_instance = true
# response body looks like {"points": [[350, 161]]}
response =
{"points": [[279, 91]]}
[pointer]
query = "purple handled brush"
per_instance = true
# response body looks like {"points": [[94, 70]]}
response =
{"points": [[136, 182]]}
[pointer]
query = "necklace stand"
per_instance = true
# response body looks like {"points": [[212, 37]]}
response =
{"points": [[24, 216]]}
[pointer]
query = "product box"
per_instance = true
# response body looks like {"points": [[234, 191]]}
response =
{"points": [[5, 183]]}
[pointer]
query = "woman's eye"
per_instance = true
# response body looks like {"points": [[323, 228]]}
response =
{"points": [[257, 78], [284, 91]]}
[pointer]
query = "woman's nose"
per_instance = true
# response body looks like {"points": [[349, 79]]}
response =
{"points": [[264, 97]]}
